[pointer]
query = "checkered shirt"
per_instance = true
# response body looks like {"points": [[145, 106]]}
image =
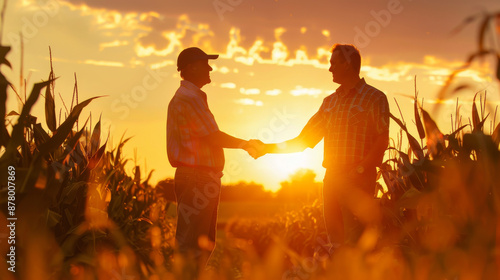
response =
{"points": [[350, 122], [189, 120]]}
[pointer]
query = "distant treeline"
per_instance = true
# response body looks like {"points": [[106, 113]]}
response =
{"points": [[301, 187]]}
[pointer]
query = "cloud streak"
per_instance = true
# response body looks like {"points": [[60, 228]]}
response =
{"points": [[249, 102], [296, 25]]}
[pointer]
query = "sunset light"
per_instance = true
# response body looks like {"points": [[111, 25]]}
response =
{"points": [[162, 139], [265, 71], [286, 165]]}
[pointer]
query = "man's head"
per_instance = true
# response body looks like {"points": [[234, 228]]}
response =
{"points": [[193, 65], [345, 62]]}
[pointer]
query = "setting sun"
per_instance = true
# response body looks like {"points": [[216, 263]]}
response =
{"points": [[287, 164]]}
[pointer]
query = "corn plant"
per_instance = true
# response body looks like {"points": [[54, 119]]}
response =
{"points": [[75, 196]]}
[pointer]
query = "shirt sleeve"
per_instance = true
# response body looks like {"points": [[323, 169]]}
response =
{"points": [[381, 115], [315, 128]]}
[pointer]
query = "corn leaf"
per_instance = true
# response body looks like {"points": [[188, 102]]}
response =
{"points": [[458, 130], [149, 177], [480, 125], [4, 134], [435, 139], [50, 109], [137, 175], [4, 50], [94, 160], [406, 165], [70, 193], [53, 143], [415, 146], [40, 135], [26, 153], [79, 160], [65, 128], [119, 149], [418, 121], [17, 136], [72, 142], [496, 135], [96, 138], [475, 114]]}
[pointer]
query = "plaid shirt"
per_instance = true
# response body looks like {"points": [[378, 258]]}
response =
{"points": [[189, 119], [350, 122]]}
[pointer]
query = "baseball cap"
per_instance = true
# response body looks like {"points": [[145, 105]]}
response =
{"points": [[190, 55]]}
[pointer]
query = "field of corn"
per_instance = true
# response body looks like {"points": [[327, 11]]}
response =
{"points": [[82, 215]]}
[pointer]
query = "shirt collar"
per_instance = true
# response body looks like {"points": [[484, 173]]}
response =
{"points": [[187, 84], [190, 86], [357, 88]]}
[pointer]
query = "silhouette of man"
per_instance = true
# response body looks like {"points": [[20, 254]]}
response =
{"points": [[354, 122], [195, 148]]}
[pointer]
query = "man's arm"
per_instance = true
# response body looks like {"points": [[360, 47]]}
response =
{"points": [[376, 154], [297, 144], [309, 137], [225, 140]]}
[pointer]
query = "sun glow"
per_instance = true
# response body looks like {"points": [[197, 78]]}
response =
{"points": [[285, 165]]}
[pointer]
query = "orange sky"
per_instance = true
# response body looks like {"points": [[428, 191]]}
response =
{"points": [[271, 76]]}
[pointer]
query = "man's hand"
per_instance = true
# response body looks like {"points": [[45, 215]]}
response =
{"points": [[256, 148]]}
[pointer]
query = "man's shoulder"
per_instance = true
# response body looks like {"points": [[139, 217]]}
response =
{"points": [[331, 96], [184, 95], [373, 91], [179, 101]]}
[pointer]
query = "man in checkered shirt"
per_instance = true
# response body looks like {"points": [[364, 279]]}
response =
{"points": [[195, 148], [354, 122]]}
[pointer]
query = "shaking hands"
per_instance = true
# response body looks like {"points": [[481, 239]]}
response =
{"points": [[256, 148]]}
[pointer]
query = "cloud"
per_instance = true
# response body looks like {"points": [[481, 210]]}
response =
{"points": [[162, 64], [154, 39], [223, 69], [305, 26], [279, 54], [433, 69], [156, 31], [115, 43], [285, 33], [173, 44], [228, 85], [249, 102], [274, 92], [381, 74], [250, 91], [282, 33], [299, 90], [103, 63]]}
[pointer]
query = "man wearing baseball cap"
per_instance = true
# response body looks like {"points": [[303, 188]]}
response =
{"points": [[195, 148]]}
